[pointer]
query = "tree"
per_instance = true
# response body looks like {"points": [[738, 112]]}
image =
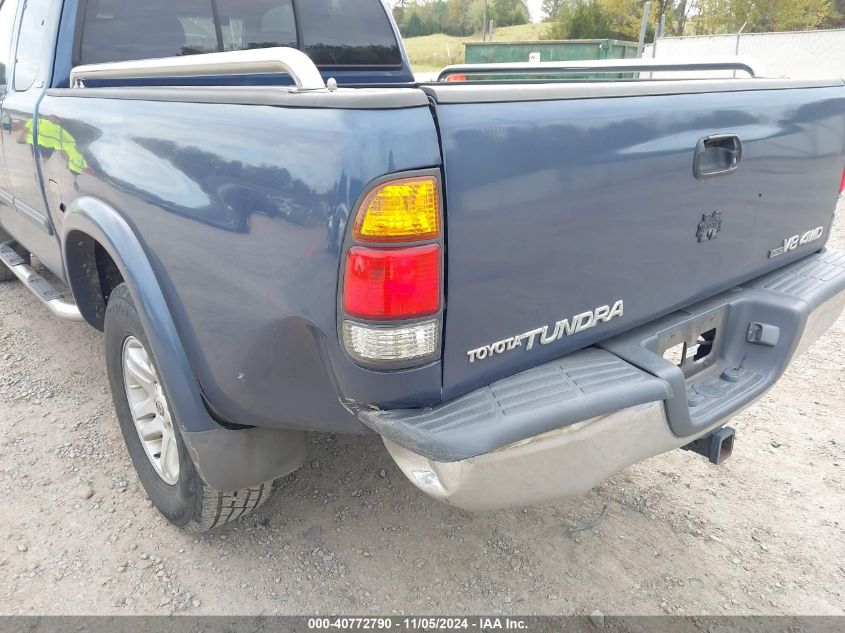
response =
{"points": [[510, 12], [589, 20], [457, 17], [475, 16], [454, 17], [676, 12], [552, 8], [677, 16], [728, 16], [399, 13], [414, 26], [626, 17], [836, 19], [599, 19], [436, 17]]}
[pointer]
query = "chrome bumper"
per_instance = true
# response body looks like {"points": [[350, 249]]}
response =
{"points": [[562, 463]]}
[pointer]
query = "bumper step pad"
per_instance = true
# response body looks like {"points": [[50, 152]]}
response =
{"points": [[808, 277], [732, 383], [762, 326], [579, 387]]}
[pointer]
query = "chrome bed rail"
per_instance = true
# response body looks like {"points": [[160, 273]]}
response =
{"points": [[747, 65], [286, 60]]}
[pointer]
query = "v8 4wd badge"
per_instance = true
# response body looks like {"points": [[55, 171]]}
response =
{"points": [[791, 243]]}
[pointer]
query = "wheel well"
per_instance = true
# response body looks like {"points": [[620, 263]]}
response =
{"points": [[92, 275]]}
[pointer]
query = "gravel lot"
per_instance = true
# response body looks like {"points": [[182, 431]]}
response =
{"points": [[761, 534]]}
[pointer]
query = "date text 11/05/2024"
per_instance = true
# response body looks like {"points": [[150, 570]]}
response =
{"points": [[418, 623]]}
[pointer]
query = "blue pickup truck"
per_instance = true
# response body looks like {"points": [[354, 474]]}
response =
{"points": [[523, 285]]}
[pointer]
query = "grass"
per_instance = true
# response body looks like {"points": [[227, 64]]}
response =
{"points": [[432, 52]]}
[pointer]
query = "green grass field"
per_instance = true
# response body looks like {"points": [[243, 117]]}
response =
{"points": [[433, 52]]}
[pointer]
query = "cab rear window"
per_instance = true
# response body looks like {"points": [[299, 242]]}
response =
{"points": [[347, 33], [334, 33]]}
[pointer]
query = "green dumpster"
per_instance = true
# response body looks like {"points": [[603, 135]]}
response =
{"points": [[549, 50]]}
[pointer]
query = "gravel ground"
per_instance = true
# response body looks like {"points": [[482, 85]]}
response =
{"points": [[761, 534]]}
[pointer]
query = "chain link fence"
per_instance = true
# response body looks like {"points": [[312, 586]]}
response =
{"points": [[798, 54]]}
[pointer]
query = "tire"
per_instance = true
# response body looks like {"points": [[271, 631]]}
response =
{"points": [[5, 273], [177, 491]]}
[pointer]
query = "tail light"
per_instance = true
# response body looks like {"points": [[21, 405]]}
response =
{"points": [[842, 184], [456, 78], [392, 285], [404, 210], [389, 345]]}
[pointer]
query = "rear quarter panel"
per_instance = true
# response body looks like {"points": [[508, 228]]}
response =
{"points": [[242, 210]]}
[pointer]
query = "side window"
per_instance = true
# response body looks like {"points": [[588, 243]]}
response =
{"points": [[278, 18], [200, 35], [120, 30], [7, 29], [30, 43], [331, 32], [247, 24], [347, 33]]}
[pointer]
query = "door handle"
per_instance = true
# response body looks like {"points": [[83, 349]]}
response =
{"points": [[717, 155]]}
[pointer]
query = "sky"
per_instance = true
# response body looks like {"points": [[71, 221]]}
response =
{"points": [[536, 12]]}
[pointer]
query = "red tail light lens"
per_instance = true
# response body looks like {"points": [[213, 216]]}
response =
{"points": [[842, 184], [392, 283], [456, 78]]}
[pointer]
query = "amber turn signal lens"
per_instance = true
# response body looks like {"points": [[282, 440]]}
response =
{"points": [[405, 210]]}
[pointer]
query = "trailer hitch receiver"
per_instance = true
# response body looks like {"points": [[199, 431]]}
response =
{"points": [[716, 446]]}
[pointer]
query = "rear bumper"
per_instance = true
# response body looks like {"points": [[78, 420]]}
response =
{"points": [[561, 463], [559, 429]]}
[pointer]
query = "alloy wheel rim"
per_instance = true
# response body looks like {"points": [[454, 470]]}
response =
{"points": [[150, 411]]}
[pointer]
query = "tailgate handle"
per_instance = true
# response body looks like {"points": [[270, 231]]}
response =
{"points": [[717, 155]]}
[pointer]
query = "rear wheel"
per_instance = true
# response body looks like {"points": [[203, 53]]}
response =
{"points": [[152, 434]]}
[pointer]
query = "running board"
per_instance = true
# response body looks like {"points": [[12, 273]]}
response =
{"points": [[40, 287]]}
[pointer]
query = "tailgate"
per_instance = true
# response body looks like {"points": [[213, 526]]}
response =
{"points": [[573, 212]]}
